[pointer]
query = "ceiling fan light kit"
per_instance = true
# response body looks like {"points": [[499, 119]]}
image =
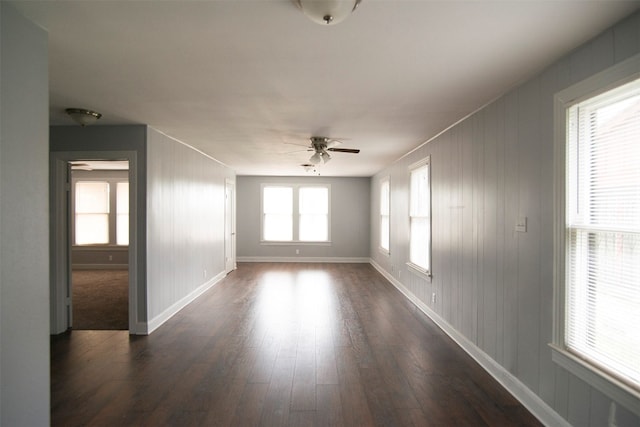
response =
{"points": [[327, 12], [83, 116]]}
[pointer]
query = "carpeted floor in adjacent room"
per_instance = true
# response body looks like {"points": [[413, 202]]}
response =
{"points": [[100, 299]]}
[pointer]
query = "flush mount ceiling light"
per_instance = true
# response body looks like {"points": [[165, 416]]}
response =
{"points": [[82, 116], [327, 12]]}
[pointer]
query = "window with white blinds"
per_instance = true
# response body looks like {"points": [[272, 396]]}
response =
{"points": [[92, 213], [602, 233], [420, 217]]}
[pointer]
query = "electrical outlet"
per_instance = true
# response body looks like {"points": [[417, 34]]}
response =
{"points": [[204, 273], [297, 251], [110, 257], [521, 224], [433, 298]]}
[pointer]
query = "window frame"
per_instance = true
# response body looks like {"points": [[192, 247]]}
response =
{"points": [[295, 214], [426, 273], [591, 373], [112, 180], [385, 182]]}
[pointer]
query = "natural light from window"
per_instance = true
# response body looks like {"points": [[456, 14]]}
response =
{"points": [[314, 211], [92, 213], [277, 207], [602, 317]]}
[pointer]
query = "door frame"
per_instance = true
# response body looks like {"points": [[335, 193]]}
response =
{"points": [[60, 232], [230, 226]]}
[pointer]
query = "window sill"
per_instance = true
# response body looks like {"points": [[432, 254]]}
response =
{"points": [[294, 243], [100, 247], [597, 378], [419, 271]]}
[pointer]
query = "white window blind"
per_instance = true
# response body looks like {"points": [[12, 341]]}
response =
{"points": [[277, 206], [314, 214], [420, 217], [602, 294], [384, 214], [91, 212]]}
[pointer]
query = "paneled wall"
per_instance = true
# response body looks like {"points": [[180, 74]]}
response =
{"points": [[494, 285], [24, 222], [185, 224], [350, 200]]}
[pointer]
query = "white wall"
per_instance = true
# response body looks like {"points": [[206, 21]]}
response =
{"points": [[185, 225], [24, 248], [494, 286], [350, 200]]}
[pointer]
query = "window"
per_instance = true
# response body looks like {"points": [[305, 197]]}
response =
{"points": [[420, 217], [314, 214], [92, 213], [295, 213], [277, 210], [101, 213], [598, 245], [384, 214]]}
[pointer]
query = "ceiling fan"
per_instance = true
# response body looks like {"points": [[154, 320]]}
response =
{"points": [[321, 145]]}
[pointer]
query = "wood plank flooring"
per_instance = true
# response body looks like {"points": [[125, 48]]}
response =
{"points": [[280, 345]]}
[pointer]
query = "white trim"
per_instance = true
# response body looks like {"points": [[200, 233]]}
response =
{"points": [[543, 412], [157, 321], [347, 260], [189, 146], [610, 78], [294, 243], [609, 385], [60, 246]]}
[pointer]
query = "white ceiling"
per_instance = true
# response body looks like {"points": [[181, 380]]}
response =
{"points": [[237, 79]]}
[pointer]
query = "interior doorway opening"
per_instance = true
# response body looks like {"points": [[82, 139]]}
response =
{"points": [[94, 241], [99, 219]]}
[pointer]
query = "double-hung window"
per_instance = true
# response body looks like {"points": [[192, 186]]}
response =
{"points": [[597, 323], [420, 217], [92, 213], [385, 199], [101, 212], [295, 213]]}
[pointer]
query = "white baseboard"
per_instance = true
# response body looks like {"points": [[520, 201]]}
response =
{"points": [[350, 260], [543, 412], [157, 321]]}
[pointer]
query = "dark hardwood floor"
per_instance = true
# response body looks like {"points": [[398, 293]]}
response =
{"points": [[280, 345]]}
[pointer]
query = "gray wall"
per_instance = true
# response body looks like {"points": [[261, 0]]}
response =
{"points": [[493, 285], [350, 204], [185, 223], [24, 257]]}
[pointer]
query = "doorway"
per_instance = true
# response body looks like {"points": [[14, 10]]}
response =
{"points": [[93, 241], [99, 219], [230, 226]]}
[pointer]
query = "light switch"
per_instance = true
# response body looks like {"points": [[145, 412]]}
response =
{"points": [[521, 224]]}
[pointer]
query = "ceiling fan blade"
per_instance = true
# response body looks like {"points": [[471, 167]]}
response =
{"points": [[344, 150], [294, 143]]}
